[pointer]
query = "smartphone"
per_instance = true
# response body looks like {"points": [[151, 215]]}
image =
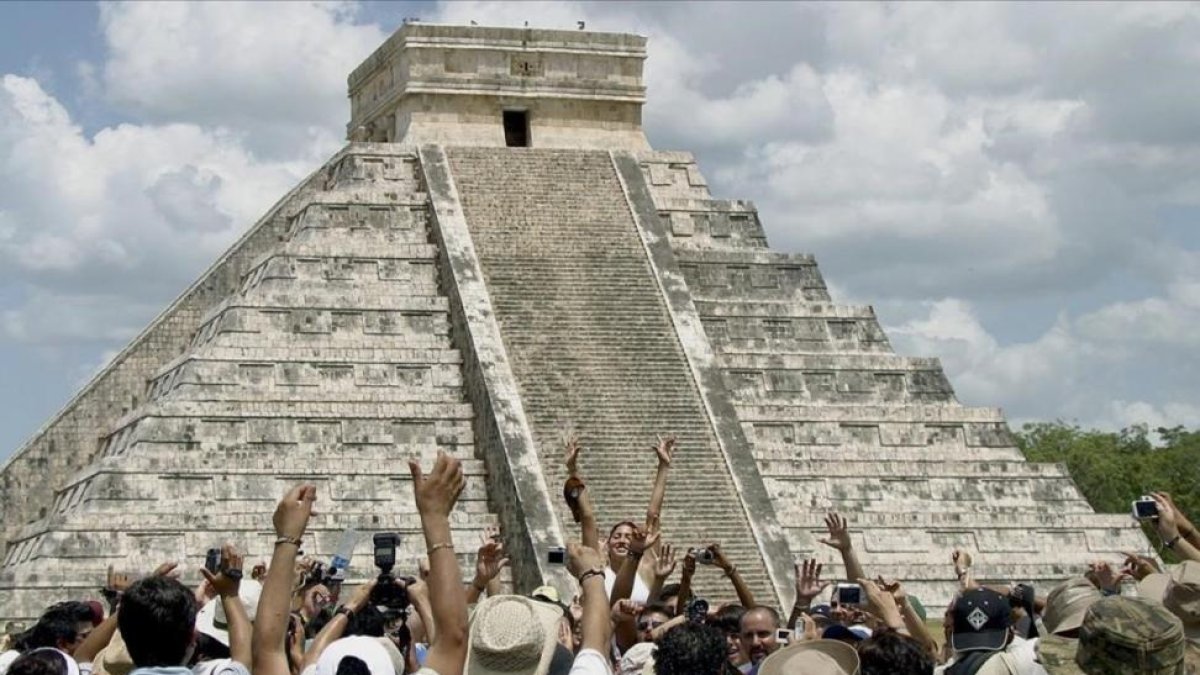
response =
{"points": [[556, 556], [212, 560], [849, 594], [783, 635], [1145, 508]]}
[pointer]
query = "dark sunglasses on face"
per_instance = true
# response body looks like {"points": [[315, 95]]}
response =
{"points": [[649, 625]]}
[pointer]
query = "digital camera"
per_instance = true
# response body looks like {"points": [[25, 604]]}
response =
{"points": [[1145, 508]]}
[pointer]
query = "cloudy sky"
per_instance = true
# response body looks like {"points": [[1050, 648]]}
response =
{"points": [[1014, 187]]}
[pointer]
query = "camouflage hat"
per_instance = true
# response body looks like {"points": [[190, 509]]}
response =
{"points": [[1068, 603], [1123, 635], [1057, 655], [1179, 591]]}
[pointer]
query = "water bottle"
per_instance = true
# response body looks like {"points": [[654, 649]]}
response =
{"points": [[345, 551]]}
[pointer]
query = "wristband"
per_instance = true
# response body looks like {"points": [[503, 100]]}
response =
{"points": [[283, 539], [477, 587], [344, 611], [437, 547], [1170, 543], [597, 572]]}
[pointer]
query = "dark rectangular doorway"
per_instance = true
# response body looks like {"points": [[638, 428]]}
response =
{"points": [[516, 128]]}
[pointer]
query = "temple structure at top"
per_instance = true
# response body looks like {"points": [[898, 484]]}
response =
{"points": [[495, 259]]}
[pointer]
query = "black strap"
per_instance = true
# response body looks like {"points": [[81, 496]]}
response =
{"points": [[969, 663]]}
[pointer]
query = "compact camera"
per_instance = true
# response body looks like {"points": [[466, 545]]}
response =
{"points": [[783, 635], [849, 594], [556, 556], [1145, 508], [705, 556], [212, 560]]}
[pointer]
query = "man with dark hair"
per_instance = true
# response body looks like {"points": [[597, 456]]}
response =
{"points": [[157, 618], [888, 652], [758, 628], [691, 649]]}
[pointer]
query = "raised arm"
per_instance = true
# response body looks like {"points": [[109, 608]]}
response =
{"points": [[336, 627], [1168, 525], [582, 508], [436, 495], [227, 582], [271, 621], [98, 639], [1186, 529], [745, 596], [587, 567], [839, 538], [685, 581], [664, 567], [664, 450], [808, 586], [489, 561], [912, 621]]}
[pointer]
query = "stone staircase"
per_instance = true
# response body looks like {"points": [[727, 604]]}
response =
{"points": [[839, 422], [593, 347], [332, 363]]}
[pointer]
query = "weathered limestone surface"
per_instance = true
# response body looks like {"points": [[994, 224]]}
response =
{"points": [[437, 290], [839, 422], [331, 362]]}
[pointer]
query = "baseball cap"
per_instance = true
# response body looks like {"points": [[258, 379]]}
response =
{"points": [[1123, 635], [1067, 604], [547, 593], [981, 621], [855, 633], [815, 657], [1179, 592]]}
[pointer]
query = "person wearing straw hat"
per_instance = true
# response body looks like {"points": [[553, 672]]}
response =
{"points": [[815, 657]]}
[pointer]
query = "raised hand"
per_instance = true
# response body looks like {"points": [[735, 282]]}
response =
{"points": [[882, 604], [167, 569], [572, 455], [1103, 576], [437, 492], [643, 539], [809, 628], [117, 582], [490, 558], [626, 610], [719, 560], [665, 565], [962, 568], [808, 581], [664, 449], [228, 578], [582, 559], [292, 513], [894, 587], [1168, 517], [689, 563], [259, 571], [839, 532], [1138, 566], [362, 594]]}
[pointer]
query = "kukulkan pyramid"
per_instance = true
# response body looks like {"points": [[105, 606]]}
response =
{"points": [[496, 257]]}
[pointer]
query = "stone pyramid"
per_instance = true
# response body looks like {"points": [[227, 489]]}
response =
{"points": [[496, 258]]}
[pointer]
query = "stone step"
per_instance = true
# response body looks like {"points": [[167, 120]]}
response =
{"points": [[960, 468], [861, 452]]}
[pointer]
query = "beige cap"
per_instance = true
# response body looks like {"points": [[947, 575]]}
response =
{"points": [[1179, 591], [815, 657], [1067, 604]]}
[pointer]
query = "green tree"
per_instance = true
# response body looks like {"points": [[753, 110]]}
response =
{"points": [[1112, 469]]}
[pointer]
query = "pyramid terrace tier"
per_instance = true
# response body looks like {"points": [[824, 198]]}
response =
{"points": [[787, 327], [746, 275], [836, 378]]}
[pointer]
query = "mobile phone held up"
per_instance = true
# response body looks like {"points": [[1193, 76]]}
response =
{"points": [[1145, 508]]}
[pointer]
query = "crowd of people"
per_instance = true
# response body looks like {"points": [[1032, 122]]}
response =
{"points": [[624, 615]]}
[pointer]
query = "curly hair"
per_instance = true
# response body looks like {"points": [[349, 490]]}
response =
{"points": [[888, 652], [691, 649]]}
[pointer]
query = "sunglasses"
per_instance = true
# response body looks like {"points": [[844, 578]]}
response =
{"points": [[649, 625]]}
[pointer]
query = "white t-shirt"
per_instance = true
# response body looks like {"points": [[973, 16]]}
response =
{"points": [[590, 662], [641, 592], [220, 667]]}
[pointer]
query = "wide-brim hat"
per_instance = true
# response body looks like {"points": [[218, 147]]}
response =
{"points": [[1179, 591], [815, 657], [512, 635], [1068, 603], [211, 619], [370, 650]]}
